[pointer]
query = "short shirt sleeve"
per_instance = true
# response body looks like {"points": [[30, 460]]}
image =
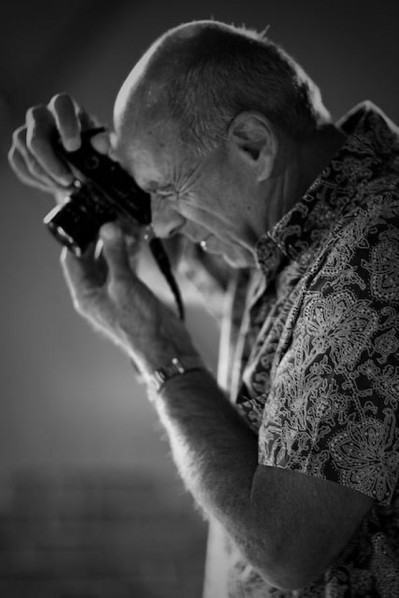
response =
{"points": [[333, 407]]}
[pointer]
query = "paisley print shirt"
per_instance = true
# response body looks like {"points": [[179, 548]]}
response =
{"points": [[316, 367]]}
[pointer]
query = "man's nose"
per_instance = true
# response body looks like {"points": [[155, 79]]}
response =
{"points": [[166, 221]]}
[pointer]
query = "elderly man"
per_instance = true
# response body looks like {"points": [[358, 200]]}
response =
{"points": [[293, 455]]}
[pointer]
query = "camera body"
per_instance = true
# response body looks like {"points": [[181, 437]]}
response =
{"points": [[103, 192]]}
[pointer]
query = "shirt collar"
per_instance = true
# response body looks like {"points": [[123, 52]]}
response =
{"points": [[371, 138]]}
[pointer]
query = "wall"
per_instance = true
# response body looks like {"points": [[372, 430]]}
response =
{"points": [[68, 397], [69, 402]]}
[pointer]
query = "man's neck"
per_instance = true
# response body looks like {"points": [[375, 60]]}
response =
{"points": [[319, 152], [297, 168]]}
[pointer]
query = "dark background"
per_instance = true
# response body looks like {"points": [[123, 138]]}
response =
{"points": [[70, 407]]}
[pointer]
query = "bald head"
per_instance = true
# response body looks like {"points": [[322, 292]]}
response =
{"points": [[199, 76]]}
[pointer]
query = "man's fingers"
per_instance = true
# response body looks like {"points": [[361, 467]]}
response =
{"points": [[87, 121], [28, 169], [34, 154], [101, 143], [115, 252], [19, 165], [75, 275], [71, 120], [40, 139], [66, 117], [85, 277]]}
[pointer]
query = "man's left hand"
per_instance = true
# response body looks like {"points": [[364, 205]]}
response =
{"points": [[107, 292]]}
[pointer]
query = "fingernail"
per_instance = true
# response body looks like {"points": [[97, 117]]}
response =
{"points": [[110, 232], [131, 240], [98, 250], [66, 180], [100, 143], [72, 144]]}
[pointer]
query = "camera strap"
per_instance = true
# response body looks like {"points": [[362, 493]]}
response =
{"points": [[163, 262]]}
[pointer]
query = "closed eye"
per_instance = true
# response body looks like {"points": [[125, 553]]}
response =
{"points": [[166, 194]]}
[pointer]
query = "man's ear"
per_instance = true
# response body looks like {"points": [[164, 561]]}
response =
{"points": [[252, 139]]}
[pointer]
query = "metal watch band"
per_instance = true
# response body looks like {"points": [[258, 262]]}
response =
{"points": [[176, 367]]}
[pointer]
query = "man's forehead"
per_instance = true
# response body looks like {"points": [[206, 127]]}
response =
{"points": [[140, 108], [149, 139], [147, 143], [129, 94], [138, 145], [141, 161]]}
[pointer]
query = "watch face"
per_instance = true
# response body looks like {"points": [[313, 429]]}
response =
{"points": [[175, 367], [176, 363]]}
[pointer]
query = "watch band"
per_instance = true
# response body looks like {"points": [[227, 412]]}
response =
{"points": [[177, 366]]}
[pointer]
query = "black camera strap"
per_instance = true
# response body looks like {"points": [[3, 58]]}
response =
{"points": [[163, 262]]}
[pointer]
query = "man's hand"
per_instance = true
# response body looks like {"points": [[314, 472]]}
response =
{"points": [[106, 291], [33, 155], [104, 288]]}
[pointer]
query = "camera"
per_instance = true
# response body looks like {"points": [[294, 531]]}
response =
{"points": [[103, 191]]}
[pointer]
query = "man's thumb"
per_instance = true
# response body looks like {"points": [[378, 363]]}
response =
{"points": [[115, 252]]}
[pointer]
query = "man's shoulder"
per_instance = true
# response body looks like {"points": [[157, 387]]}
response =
{"points": [[361, 252], [374, 208]]}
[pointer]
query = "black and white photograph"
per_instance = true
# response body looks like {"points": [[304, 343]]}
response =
{"points": [[199, 306]]}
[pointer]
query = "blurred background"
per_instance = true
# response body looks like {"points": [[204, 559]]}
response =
{"points": [[90, 504]]}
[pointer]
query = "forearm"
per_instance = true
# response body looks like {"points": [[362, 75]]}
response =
{"points": [[265, 510], [215, 452], [259, 506]]}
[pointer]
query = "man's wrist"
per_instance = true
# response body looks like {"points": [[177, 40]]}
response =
{"points": [[177, 366]]}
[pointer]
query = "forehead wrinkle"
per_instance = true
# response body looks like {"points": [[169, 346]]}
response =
{"points": [[144, 127], [144, 132]]}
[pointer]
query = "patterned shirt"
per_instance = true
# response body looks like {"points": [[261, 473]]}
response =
{"points": [[316, 366]]}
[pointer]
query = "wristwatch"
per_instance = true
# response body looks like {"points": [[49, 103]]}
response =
{"points": [[177, 366]]}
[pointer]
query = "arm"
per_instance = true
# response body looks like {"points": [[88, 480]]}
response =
{"points": [[267, 511], [288, 525]]}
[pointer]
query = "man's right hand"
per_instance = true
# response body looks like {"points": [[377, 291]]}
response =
{"points": [[32, 155]]}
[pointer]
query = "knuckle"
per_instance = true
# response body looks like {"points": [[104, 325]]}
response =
{"points": [[85, 302], [11, 155], [15, 164], [63, 108], [35, 112], [79, 301], [78, 305], [19, 136], [61, 98], [58, 97]]}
